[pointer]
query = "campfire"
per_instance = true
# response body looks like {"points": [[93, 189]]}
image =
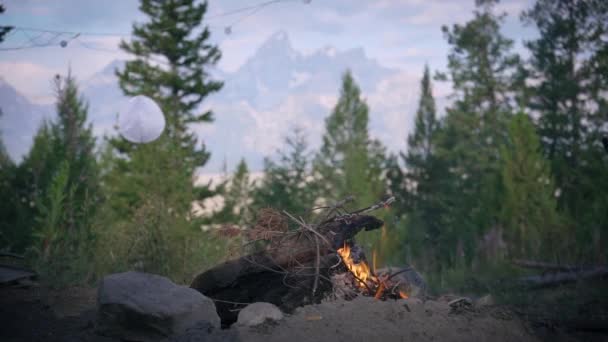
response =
{"points": [[290, 262], [380, 286]]}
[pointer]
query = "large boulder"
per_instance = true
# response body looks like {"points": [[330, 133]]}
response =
{"points": [[146, 307]]}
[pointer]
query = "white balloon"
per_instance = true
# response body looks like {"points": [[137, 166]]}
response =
{"points": [[142, 121]]}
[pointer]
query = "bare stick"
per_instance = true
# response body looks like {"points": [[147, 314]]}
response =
{"points": [[317, 266], [376, 206]]}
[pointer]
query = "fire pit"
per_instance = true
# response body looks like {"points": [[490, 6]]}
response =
{"points": [[305, 263]]}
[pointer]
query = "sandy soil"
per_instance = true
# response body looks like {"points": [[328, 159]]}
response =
{"points": [[39, 314]]}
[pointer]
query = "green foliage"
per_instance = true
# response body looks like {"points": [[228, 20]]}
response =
{"points": [[484, 74], [529, 206], [8, 214], [288, 183], [66, 139], [174, 35], [149, 188], [237, 195], [349, 162], [56, 191], [156, 239], [569, 61]]}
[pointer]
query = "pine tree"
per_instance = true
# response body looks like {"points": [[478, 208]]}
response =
{"points": [[287, 183], [151, 189], [8, 207], [75, 143], [422, 176], [172, 54], [237, 196], [420, 145], [57, 189], [529, 210], [349, 162], [569, 61], [485, 78]]}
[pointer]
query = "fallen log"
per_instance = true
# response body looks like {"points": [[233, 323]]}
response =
{"points": [[545, 265], [555, 279]]}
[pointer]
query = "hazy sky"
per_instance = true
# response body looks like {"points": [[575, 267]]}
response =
{"points": [[398, 33]]}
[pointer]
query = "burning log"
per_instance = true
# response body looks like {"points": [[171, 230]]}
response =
{"points": [[303, 265]]}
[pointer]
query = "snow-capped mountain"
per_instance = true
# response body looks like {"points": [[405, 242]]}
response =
{"points": [[275, 89], [19, 121]]}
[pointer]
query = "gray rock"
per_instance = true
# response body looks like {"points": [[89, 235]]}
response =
{"points": [[410, 281], [486, 300], [258, 313], [146, 307]]}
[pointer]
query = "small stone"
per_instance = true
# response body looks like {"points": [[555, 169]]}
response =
{"points": [[258, 313], [486, 300]]}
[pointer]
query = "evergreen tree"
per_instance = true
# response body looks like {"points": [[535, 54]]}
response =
{"points": [[569, 62], [349, 162], [485, 79], [172, 54], [75, 143], [529, 210], [237, 196], [57, 189], [422, 176], [150, 187], [421, 146], [8, 212], [287, 183]]}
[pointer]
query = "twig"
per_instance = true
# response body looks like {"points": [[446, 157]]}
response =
{"points": [[228, 301], [317, 265], [307, 227], [338, 263], [283, 271], [369, 290], [376, 206], [336, 206]]}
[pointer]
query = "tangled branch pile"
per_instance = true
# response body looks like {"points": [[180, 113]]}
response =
{"points": [[295, 262]]}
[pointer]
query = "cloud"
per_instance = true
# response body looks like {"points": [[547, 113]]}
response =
{"points": [[392, 108], [32, 80]]}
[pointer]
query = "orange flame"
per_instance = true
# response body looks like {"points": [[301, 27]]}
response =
{"points": [[403, 295], [360, 270]]}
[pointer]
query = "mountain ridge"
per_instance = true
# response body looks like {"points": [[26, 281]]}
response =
{"points": [[273, 90]]}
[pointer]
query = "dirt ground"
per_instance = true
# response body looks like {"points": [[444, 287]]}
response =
{"points": [[40, 314]]}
